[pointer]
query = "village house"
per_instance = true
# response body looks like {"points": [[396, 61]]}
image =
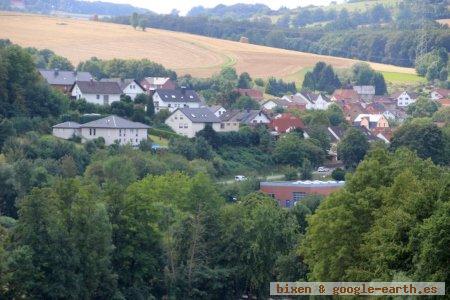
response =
{"points": [[129, 87], [171, 100], [246, 117], [351, 110], [112, 129], [289, 193], [344, 96], [280, 103], [321, 102], [365, 92], [371, 121], [303, 100], [255, 94], [286, 123], [405, 98], [438, 94], [218, 110], [188, 121], [64, 80], [150, 84], [96, 92]]}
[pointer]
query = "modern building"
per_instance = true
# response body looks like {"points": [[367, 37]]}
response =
{"points": [[171, 100], [112, 129], [188, 121], [63, 80], [289, 193], [96, 92]]}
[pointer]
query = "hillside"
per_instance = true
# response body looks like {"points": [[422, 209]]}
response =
{"points": [[200, 56]]}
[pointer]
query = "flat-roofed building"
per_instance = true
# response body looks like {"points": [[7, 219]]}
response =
{"points": [[288, 193]]}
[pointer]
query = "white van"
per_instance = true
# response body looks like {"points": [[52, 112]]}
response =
{"points": [[240, 178]]}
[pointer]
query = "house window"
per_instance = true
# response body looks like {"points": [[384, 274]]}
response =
{"points": [[136, 140], [169, 105], [92, 131], [297, 196], [98, 97], [186, 125], [272, 195], [105, 99], [222, 125], [180, 126]]}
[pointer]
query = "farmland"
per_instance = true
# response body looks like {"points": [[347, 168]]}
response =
{"points": [[199, 56]]}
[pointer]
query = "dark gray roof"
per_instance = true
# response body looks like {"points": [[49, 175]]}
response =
{"points": [[244, 117], [123, 83], [64, 77], [67, 125], [200, 115], [114, 122], [178, 95], [99, 87]]}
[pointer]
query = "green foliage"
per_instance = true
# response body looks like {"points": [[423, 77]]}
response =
{"points": [[322, 78], [244, 81], [246, 103], [338, 174], [426, 139], [353, 147], [291, 149], [279, 87], [381, 217], [363, 74], [120, 68], [433, 65], [60, 63], [422, 108], [22, 93]]}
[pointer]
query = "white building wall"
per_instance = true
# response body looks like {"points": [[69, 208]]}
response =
{"points": [[260, 119], [404, 100], [110, 135], [132, 90], [65, 133], [182, 125], [171, 106]]}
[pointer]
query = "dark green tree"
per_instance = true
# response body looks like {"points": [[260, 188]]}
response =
{"points": [[353, 147]]}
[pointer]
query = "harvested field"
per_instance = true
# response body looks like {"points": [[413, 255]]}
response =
{"points": [[200, 56]]}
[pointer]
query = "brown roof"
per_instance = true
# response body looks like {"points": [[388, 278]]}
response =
{"points": [[345, 94], [286, 122], [443, 92], [252, 93]]}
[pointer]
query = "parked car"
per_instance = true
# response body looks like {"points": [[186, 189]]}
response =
{"points": [[240, 178]]}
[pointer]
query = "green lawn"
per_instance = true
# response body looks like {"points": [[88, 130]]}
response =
{"points": [[159, 140], [297, 77], [402, 78]]}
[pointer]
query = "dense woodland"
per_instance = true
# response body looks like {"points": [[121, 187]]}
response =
{"points": [[379, 34], [90, 221]]}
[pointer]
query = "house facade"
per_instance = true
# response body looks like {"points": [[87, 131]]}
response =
{"points": [[345, 96], [96, 92], [171, 100], [246, 117], [438, 94], [129, 87], [371, 121], [188, 121], [405, 98], [218, 110], [112, 129], [64, 80]]}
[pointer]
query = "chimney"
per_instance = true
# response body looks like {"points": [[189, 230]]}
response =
{"points": [[56, 71], [183, 90]]}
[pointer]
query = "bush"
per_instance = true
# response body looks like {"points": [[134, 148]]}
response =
{"points": [[338, 174]]}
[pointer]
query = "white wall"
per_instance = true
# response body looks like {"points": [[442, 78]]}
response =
{"points": [[182, 125], [171, 106], [93, 98], [124, 136], [65, 133], [404, 100], [269, 105], [132, 90], [260, 119]]}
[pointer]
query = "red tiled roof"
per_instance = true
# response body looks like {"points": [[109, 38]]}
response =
{"points": [[345, 94], [444, 102], [286, 123], [443, 92], [252, 93]]}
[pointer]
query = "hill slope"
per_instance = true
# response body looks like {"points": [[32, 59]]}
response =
{"points": [[185, 53]]}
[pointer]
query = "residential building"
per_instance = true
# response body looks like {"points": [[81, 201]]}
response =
{"points": [[96, 92], [345, 96], [405, 98], [371, 121], [271, 104], [174, 99], [352, 109], [438, 94], [321, 102], [444, 102], [218, 110], [63, 80], [303, 100], [289, 193], [255, 94], [286, 123], [365, 92], [246, 117], [150, 84], [129, 87], [112, 129], [188, 121]]}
